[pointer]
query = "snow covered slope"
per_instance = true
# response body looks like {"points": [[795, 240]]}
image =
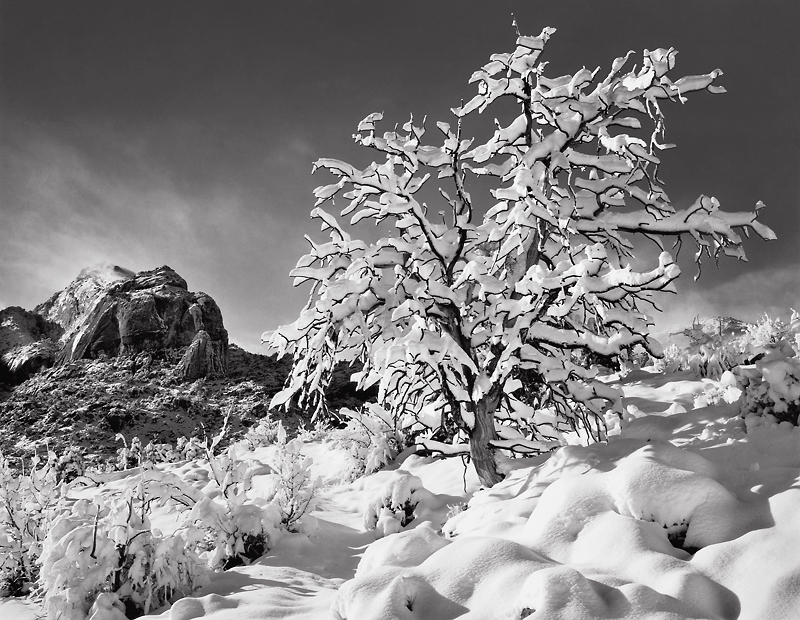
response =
{"points": [[685, 513]]}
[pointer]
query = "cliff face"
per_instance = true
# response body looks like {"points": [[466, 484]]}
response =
{"points": [[68, 308], [151, 311], [110, 311], [27, 344]]}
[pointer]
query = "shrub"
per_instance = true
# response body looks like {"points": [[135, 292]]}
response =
{"points": [[228, 528], [293, 489], [395, 507], [264, 433], [28, 503], [368, 439], [110, 547], [772, 385]]}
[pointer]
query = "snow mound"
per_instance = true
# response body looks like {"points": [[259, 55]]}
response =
{"points": [[408, 548], [656, 483], [630, 529]]}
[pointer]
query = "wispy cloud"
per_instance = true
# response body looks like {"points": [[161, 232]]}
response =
{"points": [[747, 297]]}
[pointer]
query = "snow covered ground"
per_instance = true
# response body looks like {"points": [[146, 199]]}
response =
{"points": [[682, 514]]}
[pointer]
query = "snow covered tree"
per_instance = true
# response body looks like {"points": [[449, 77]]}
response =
{"points": [[478, 320]]}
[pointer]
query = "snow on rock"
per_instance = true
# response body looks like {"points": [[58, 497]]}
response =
{"points": [[467, 574], [189, 608]]}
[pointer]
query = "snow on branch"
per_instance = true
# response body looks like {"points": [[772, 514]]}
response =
{"points": [[447, 312]]}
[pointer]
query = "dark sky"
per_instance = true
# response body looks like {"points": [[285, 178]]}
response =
{"points": [[144, 133]]}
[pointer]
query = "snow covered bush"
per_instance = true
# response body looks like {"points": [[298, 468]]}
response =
{"points": [[109, 547], [101, 558], [293, 489], [261, 434], [714, 346], [772, 385], [765, 333], [129, 455], [720, 344], [232, 529], [231, 532], [395, 507], [670, 360], [29, 501], [161, 453], [466, 297], [136, 455], [725, 390], [70, 465], [188, 449], [367, 438]]}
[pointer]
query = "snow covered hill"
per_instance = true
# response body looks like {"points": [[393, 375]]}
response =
{"points": [[689, 511]]}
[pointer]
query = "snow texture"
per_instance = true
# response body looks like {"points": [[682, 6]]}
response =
{"points": [[686, 513]]}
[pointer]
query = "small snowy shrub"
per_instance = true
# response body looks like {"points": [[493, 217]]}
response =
{"points": [[455, 509], [367, 438], [766, 333], [136, 455], [716, 346], [161, 453], [188, 449], [108, 546], [725, 390], [395, 507], [233, 531], [772, 385], [28, 503], [263, 433], [294, 490], [129, 455], [69, 465], [671, 360]]}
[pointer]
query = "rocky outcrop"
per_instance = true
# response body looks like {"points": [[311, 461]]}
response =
{"points": [[109, 311], [131, 354], [151, 311], [69, 308], [203, 358], [27, 344]]}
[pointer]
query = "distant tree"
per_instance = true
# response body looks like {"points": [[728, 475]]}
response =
{"points": [[477, 321]]}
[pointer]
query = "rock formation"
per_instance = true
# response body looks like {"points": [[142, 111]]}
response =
{"points": [[27, 344], [130, 354], [203, 358], [69, 307], [110, 311]]}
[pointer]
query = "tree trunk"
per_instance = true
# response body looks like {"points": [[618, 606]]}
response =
{"points": [[481, 452]]}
